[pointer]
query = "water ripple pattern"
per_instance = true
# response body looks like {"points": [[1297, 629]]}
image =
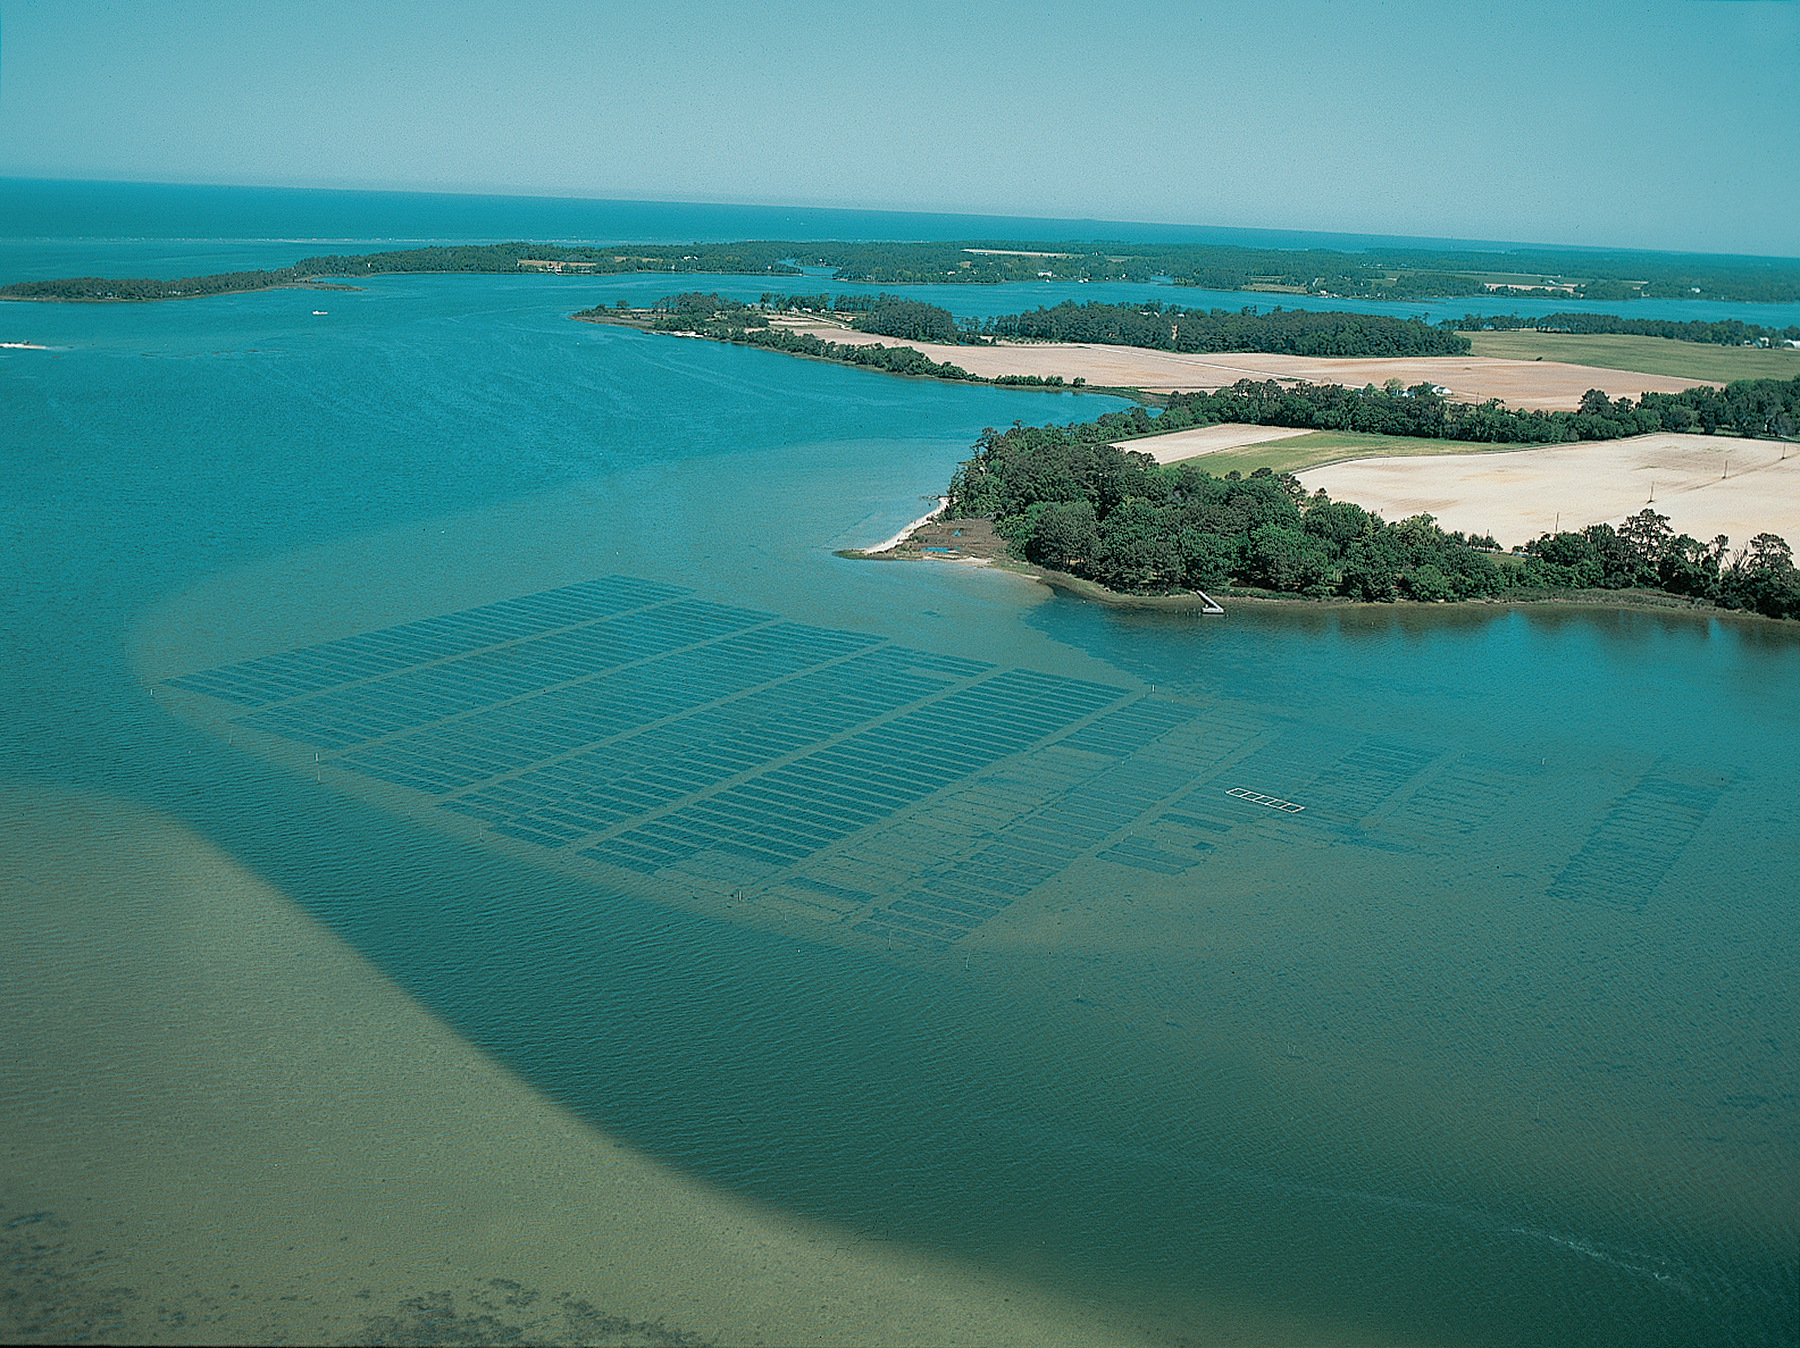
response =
{"points": [[634, 730]]}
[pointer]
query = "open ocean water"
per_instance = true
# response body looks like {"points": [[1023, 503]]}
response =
{"points": [[1310, 975]]}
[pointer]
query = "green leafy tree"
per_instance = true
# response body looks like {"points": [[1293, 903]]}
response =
{"points": [[1370, 569], [1137, 549], [1427, 584], [1763, 578], [1285, 559], [1646, 537], [1339, 524], [1207, 560], [1066, 535]]}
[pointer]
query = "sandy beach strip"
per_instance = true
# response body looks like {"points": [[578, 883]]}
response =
{"points": [[1706, 485], [1521, 384], [895, 540]]}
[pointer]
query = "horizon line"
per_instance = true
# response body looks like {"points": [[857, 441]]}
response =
{"points": [[1364, 239]]}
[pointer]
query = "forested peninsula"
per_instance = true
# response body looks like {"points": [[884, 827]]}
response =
{"points": [[724, 320], [1378, 272], [1075, 503], [1748, 407], [1299, 332]]}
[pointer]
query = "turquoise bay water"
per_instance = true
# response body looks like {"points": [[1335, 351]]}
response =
{"points": [[1490, 1042]]}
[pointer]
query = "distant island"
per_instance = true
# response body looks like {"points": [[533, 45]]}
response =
{"points": [[1377, 273]]}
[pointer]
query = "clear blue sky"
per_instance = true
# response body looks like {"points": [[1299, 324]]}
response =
{"points": [[1670, 124]]}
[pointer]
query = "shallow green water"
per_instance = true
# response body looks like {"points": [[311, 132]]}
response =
{"points": [[1491, 1040]]}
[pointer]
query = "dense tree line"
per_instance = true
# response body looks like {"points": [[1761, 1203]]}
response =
{"points": [[1298, 332], [1645, 553], [892, 316], [1722, 332], [1097, 511], [98, 288], [1608, 276], [588, 259], [690, 311], [1377, 273], [1748, 407], [736, 258], [1156, 326]]}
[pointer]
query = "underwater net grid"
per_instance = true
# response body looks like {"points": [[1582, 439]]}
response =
{"points": [[635, 730]]}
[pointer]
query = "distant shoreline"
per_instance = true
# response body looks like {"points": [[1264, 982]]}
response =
{"points": [[1378, 274], [167, 299]]}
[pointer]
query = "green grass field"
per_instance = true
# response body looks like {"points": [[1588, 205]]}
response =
{"points": [[1698, 361], [1317, 448]]}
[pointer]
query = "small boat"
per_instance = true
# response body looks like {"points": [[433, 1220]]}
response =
{"points": [[319, 312]]}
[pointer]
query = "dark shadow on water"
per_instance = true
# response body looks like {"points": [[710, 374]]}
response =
{"points": [[912, 1107]]}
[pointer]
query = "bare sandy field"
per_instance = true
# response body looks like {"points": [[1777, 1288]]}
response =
{"points": [[1207, 440], [1525, 384], [1518, 495]]}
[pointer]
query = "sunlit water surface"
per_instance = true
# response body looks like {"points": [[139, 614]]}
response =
{"points": [[1402, 975]]}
